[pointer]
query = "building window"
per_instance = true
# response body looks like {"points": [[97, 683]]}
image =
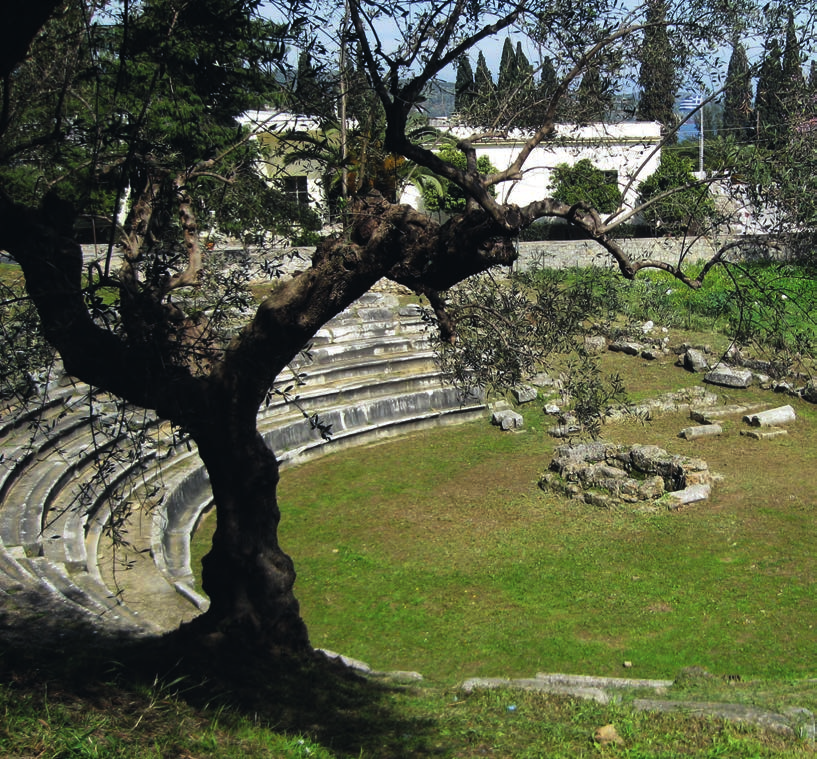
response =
{"points": [[295, 188]]}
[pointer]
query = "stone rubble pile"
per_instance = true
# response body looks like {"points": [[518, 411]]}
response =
{"points": [[643, 476]]}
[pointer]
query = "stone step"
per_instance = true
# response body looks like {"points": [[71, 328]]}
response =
{"points": [[22, 509], [10, 559], [349, 397], [89, 595], [371, 374], [347, 353], [315, 377]]}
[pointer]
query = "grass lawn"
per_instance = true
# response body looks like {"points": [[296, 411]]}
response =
{"points": [[438, 553]]}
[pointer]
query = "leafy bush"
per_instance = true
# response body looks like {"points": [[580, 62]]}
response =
{"points": [[677, 203], [584, 182], [452, 198]]}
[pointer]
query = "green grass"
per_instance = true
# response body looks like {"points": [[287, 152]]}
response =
{"points": [[438, 553], [338, 717]]}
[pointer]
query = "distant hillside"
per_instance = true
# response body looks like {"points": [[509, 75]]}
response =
{"points": [[440, 100], [440, 104]]}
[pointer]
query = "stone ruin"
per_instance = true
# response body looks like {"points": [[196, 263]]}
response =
{"points": [[638, 476]]}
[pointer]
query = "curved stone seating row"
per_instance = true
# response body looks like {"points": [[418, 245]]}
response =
{"points": [[42, 546], [368, 373]]}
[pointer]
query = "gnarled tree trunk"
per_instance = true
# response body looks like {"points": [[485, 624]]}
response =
{"points": [[246, 575]]}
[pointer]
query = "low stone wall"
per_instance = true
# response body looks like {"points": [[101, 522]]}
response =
{"points": [[557, 254], [551, 253], [608, 475]]}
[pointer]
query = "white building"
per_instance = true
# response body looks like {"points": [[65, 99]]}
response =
{"points": [[628, 152]]}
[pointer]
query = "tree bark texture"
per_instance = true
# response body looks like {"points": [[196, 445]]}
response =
{"points": [[247, 576]]}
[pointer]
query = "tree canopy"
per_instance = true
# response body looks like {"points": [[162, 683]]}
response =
{"points": [[138, 123]]}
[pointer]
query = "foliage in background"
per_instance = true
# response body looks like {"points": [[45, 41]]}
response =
{"points": [[657, 77], [594, 96], [529, 325], [446, 196], [677, 204], [737, 118], [104, 105], [24, 352], [583, 182], [516, 101]]}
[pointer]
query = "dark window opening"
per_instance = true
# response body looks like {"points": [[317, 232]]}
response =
{"points": [[295, 188]]}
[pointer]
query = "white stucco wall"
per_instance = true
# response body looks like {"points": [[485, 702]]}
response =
{"points": [[630, 149]]}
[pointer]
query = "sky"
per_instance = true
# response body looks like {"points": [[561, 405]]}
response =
{"points": [[492, 48]]}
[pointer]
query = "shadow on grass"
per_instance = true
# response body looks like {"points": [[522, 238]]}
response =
{"points": [[307, 695]]}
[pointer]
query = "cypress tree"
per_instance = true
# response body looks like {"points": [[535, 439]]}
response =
{"points": [[737, 97], [792, 74], [770, 115], [547, 79], [464, 88], [523, 101], [656, 78], [483, 111], [507, 68], [313, 97], [540, 95], [593, 96], [524, 71], [811, 91]]}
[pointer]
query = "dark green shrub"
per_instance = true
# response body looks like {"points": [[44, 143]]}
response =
{"points": [[676, 202], [585, 183]]}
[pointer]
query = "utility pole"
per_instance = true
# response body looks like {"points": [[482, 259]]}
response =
{"points": [[695, 103]]}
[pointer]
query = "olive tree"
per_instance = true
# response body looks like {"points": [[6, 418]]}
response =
{"points": [[169, 67]]}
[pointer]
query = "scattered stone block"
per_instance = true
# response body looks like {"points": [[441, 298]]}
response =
{"points": [[595, 344], [729, 376], [732, 712], [771, 417], [809, 392], [533, 684], [628, 347], [524, 393], [712, 415], [565, 430], [695, 360], [691, 494], [766, 433], [802, 721], [543, 379], [606, 475], [552, 409], [507, 420], [700, 430], [595, 681]]}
